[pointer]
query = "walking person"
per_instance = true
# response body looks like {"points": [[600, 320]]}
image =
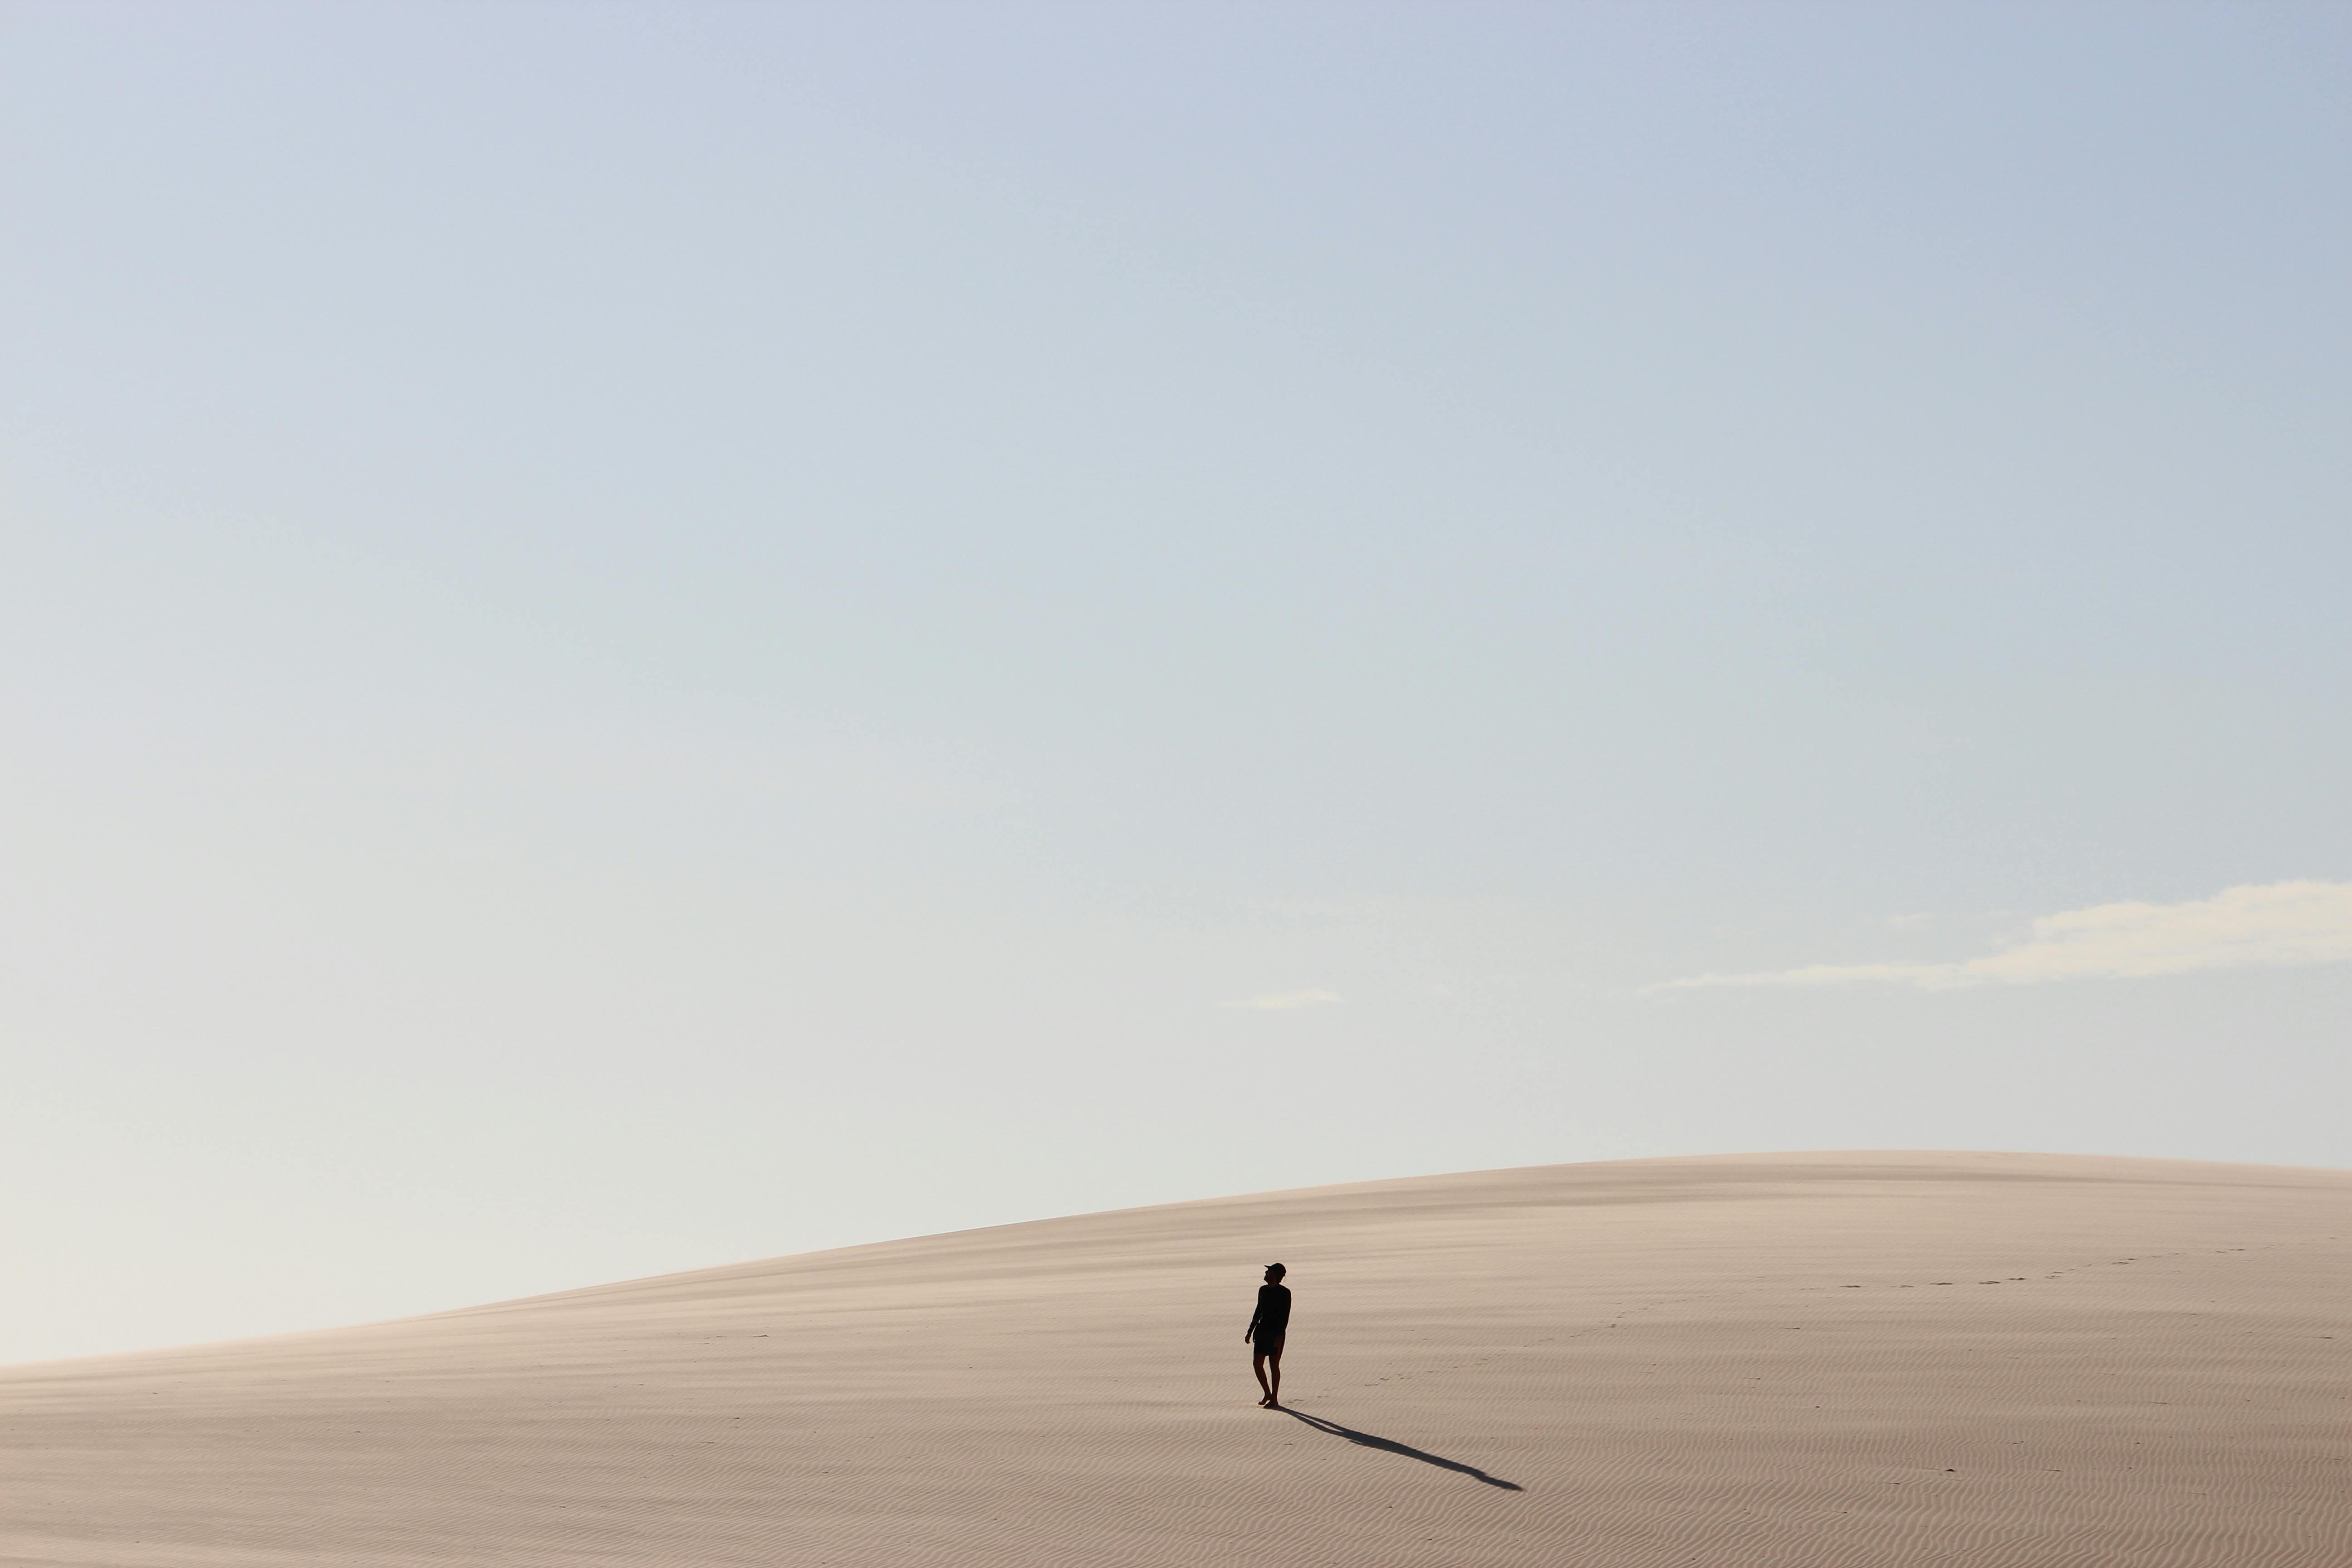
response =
{"points": [[1267, 1327]]}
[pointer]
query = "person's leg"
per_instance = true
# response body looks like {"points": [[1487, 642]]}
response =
{"points": [[1274, 1388], [1257, 1365]]}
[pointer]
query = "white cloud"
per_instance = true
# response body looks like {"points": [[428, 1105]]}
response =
{"points": [[2275, 926], [1287, 999]]}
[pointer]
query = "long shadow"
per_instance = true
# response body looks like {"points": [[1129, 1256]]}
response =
{"points": [[1386, 1445]]}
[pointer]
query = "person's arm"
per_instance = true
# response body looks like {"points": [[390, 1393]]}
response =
{"points": [[1249, 1333]]}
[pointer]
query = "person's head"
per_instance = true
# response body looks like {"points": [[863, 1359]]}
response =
{"points": [[1274, 1273]]}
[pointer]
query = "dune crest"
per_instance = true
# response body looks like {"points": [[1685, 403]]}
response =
{"points": [[1801, 1360]]}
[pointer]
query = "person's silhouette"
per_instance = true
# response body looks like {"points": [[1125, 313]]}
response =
{"points": [[1268, 1328]]}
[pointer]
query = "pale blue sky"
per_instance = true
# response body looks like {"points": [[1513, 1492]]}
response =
{"points": [[639, 635]]}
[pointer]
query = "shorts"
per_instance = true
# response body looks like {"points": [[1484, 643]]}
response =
{"points": [[1262, 1345]]}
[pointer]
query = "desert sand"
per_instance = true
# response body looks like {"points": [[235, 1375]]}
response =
{"points": [[1807, 1359]]}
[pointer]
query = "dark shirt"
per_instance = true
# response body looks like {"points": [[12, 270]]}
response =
{"points": [[1272, 1320]]}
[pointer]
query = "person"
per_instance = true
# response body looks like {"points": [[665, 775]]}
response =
{"points": [[1268, 1326]]}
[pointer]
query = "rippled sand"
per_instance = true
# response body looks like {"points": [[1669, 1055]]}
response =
{"points": [[1803, 1360]]}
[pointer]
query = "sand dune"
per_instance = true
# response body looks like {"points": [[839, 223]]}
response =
{"points": [[1814, 1360]]}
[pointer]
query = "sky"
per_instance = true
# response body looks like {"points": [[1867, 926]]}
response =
{"points": [[636, 636]]}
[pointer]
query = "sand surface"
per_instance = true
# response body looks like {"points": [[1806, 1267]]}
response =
{"points": [[1840, 1359]]}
